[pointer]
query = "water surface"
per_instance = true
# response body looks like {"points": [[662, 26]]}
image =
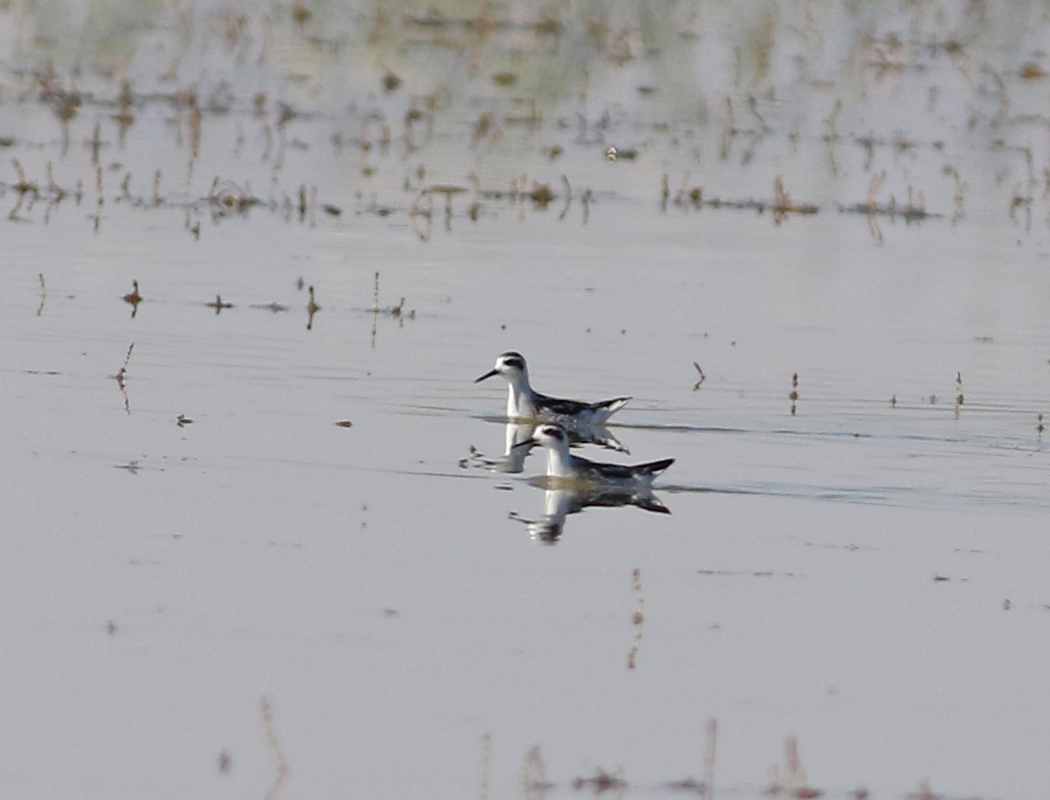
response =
{"points": [[214, 589]]}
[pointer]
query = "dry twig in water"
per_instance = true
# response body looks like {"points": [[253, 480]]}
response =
{"points": [[120, 378]]}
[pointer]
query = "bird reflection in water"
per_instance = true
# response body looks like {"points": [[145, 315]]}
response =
{"points": [[559, 503], [518, 443]]}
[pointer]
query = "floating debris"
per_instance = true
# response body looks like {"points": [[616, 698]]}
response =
{"points": [[638, 619], [270, 729], [120, 379], [124, 367], [311, 309], [1030, 71], [23, 186], [782, 205], [541, 195], [616, 153], [218, 304], [229, 198], [601, 781], [914, 210], [133, 297], [703, 377], [791, 781], [534, 775]]}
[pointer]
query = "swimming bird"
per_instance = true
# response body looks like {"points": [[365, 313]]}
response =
{"points": [[564, 467], [524, 402]]}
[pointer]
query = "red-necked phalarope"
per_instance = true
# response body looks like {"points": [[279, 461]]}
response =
{"points": [[523, 402], [564, 466]]}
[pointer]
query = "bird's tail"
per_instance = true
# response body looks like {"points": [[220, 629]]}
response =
{"points": [[654, 467], [610, 406]]}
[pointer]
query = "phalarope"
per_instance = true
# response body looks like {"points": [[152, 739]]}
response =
{"points": [[523, 402], [563, 466]]}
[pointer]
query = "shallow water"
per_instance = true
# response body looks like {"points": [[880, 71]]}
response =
{"points": [[189, 536]]}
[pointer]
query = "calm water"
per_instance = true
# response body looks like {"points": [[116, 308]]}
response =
{"points": [[212, 589]]}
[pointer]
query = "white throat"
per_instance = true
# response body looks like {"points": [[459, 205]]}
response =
{"points": [[559, 462], [519, 397]]}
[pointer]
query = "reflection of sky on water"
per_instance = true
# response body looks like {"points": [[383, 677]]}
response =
{"points": [[865, 576]]}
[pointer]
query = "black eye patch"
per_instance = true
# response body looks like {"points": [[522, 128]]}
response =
{"points": [[514, 362]]}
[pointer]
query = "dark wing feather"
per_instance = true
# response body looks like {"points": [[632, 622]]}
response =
{"points": [[615, 471], [557, 405], [606, 403], [568, 408], [654, 467]]}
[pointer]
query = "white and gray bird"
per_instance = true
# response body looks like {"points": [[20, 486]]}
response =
{"points": [[525, 403], [563, 466]]}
